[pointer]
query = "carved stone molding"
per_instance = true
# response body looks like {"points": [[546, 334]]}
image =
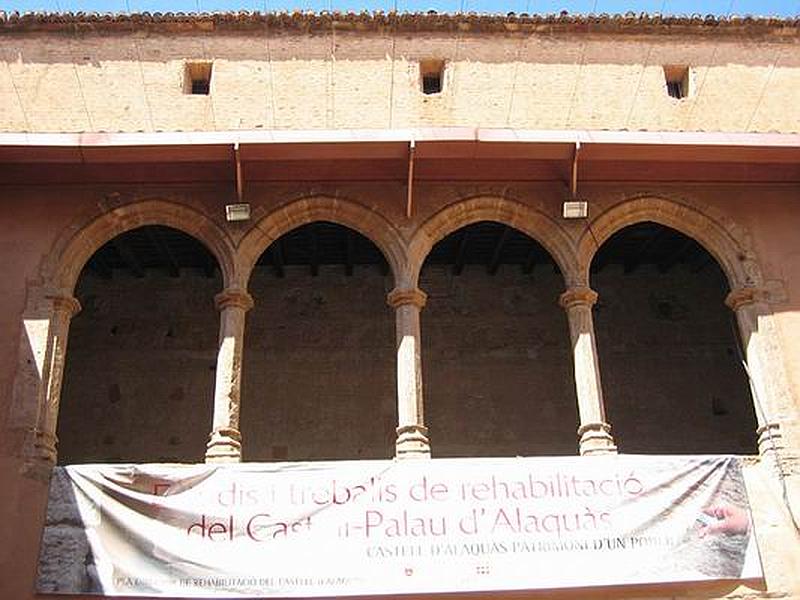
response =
{"points": [[744, 296], [412, 442], [65, 305], [595, 438], [234, 297], [770, 438], [224, 445], [415, 297], [45, 446], [578, 296]]}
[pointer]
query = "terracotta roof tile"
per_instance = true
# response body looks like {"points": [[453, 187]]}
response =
{"points": [[629, 23]]}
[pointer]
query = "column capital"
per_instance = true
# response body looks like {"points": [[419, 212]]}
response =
{"points": [[66, 304], [235, 297], [744, 296], [578, 296], [400, 297]]}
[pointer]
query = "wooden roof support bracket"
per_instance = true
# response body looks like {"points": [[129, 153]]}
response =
{"points": [[410, 197], [239, 176], [573, 188]]}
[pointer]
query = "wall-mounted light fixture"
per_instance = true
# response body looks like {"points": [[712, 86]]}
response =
{"points": [[575, 209], [237, 212]]}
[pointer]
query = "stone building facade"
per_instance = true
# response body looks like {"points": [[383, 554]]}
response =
{"points": [[407, 283]]}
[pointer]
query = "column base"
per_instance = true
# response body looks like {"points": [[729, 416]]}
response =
{"points": [[770, 440], [595, 439], [412, 442], [224, 446], [44, 448]]}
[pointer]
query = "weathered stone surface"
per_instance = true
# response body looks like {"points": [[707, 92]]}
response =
{"points": [[64, 542]]}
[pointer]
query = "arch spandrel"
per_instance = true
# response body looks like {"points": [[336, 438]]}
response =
{"points": [[297, 213], [71, 253], [724, 241], [533, 223]]}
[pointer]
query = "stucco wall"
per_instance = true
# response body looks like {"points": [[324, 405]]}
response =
{"points": [[331, 80]]}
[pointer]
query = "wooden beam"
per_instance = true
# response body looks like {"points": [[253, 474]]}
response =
{"points": [[128, 257], [458, 260], [239, 175], [163, 249], [573, 187], [494, 263], [410, 196], [350, 242], [277, 257]]}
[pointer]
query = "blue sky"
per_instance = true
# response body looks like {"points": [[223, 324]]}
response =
{"points": [[752, 7]]}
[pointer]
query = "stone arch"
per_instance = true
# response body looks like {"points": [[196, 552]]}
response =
{"points": [[75, 248], [534, 223], [290, 216], [50, 307], [723, 239]]}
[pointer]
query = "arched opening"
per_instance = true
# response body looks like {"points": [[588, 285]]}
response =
{"points": [[497, 363], [319, 366], [139, 373], [671, 366]]}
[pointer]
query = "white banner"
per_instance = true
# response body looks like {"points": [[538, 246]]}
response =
{"points": [[387, 527]]}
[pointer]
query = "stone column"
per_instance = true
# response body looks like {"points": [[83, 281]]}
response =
{"points": [[594, 432], [225, 441], [44, 439], [764, 366], [412, 435]]}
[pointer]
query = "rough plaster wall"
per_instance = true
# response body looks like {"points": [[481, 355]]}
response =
{"points": [[139, 379], [319, 366], [668, 357], [319, 81]]}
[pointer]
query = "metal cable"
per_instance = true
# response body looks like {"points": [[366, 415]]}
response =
{"points": [[207, 58], [330, 108], [764, 89], [391, 75], [711, 62], [522, 42], [80, 85], [270, 72], [19, 98], [575, 87], [641, 74]]}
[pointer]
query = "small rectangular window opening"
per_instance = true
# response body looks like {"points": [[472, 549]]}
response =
{"points": [[197, 78], [677, 79], [432, 74]]}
